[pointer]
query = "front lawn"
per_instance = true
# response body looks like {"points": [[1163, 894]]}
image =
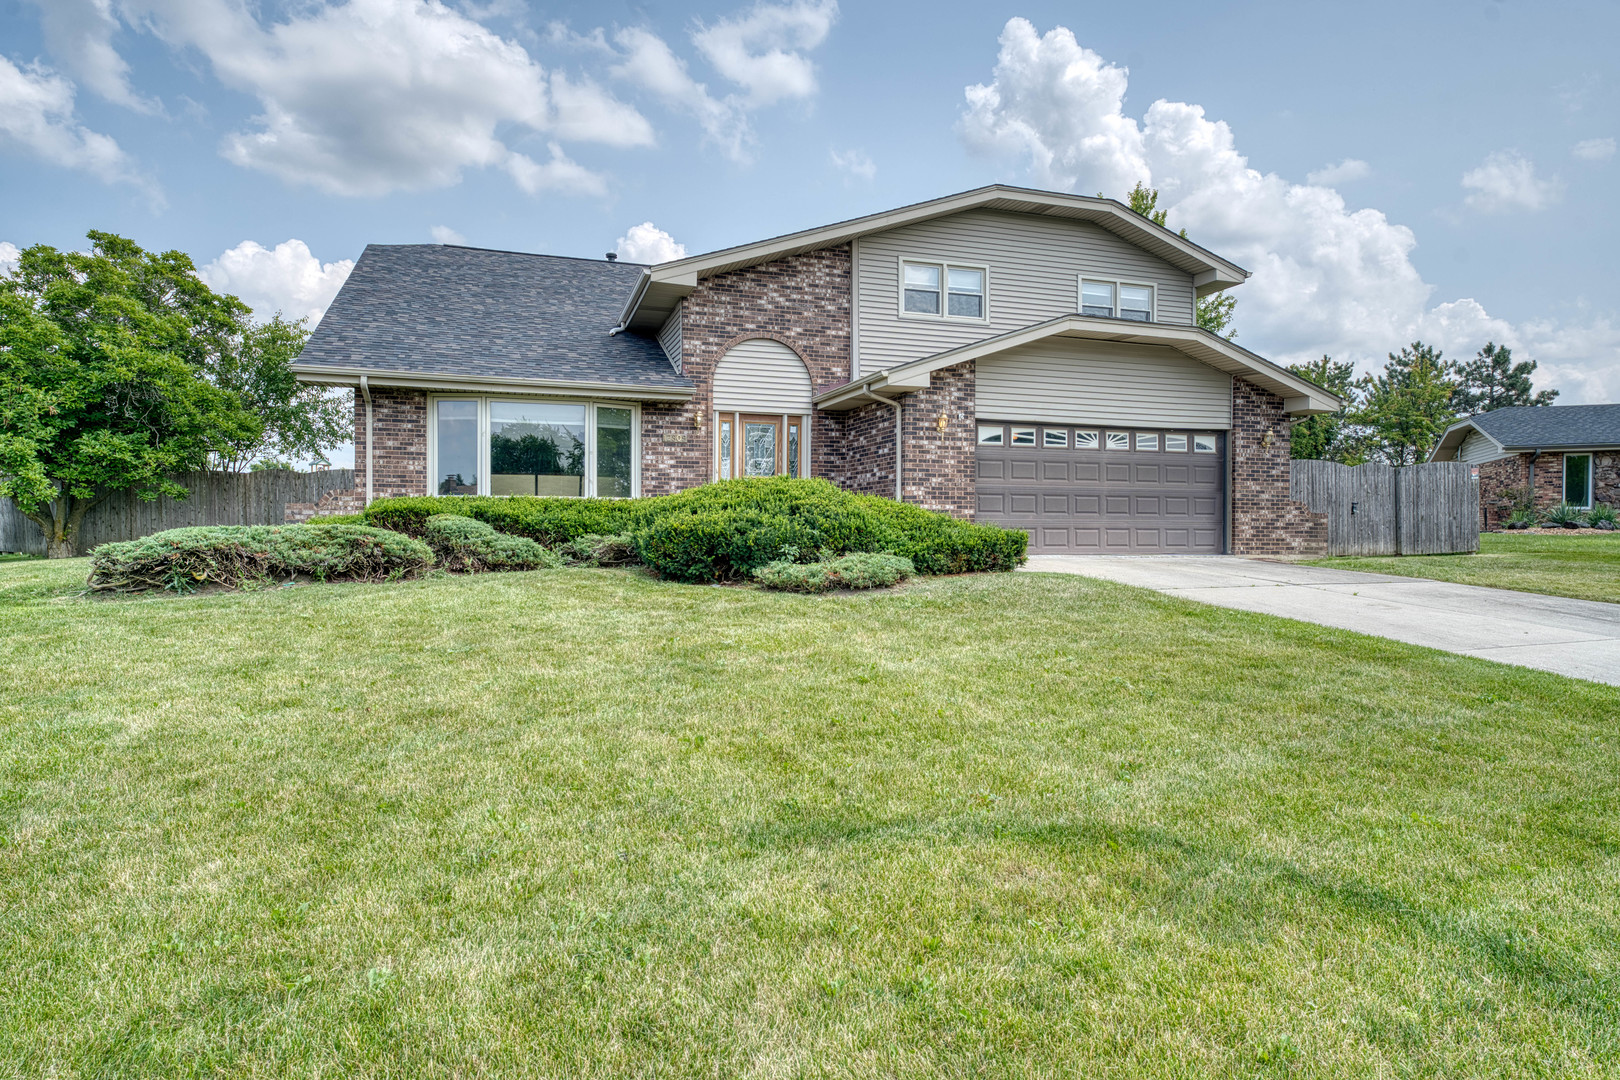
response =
{"points": [[1583, 565], [582, 823]]}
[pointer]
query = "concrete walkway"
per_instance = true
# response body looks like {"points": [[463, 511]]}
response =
{"points": [[1579, 638]]}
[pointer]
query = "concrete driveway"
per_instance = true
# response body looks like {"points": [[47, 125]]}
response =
{"points": [[1579, 638]]}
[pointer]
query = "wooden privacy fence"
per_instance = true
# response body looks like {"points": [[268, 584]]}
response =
{"points": [[256, 498], [1374, 509]]}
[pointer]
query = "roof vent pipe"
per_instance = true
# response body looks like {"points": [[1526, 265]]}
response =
{"points": [[613, 256]]}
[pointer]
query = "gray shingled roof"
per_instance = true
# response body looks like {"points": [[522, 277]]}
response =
{"points": [[1551, 427], [431, 309]]}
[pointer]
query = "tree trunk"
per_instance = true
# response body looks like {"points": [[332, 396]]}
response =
{"points": [[60, 521]]}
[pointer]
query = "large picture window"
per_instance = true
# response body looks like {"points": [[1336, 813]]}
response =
{"points": [[505, 446]]}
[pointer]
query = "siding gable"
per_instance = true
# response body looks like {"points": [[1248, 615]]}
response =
{"points": [[1476, 449], [669, 336], [1065, 381], [1035, 264]]}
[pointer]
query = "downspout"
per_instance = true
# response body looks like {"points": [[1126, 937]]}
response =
{"points": [[365, 389], [899, 460]]}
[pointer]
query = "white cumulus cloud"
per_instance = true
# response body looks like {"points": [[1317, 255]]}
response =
{"points": [[854, 162], [1343, 173], [444, 234], [287, 278], [646, 243], [79, 33], [763, 49], [1507, 180], [374, 96], [9, 253], [37, 114], [1326, 279], [1594, 149]]}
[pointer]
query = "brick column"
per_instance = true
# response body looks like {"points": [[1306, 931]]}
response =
{"points": [[1265, 521]]}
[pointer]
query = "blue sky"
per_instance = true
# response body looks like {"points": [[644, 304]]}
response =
{"points": [[1388, 170]]}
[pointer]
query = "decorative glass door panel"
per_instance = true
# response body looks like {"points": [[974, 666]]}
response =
{"points": [[760, 440]]}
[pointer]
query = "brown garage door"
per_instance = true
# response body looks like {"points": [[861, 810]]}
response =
{"points": [[1104, 490]]}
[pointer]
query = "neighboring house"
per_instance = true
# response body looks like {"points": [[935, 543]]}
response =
{"points": [[1562, 453], [1012, 356]]}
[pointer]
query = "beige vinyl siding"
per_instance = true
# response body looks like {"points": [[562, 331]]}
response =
{"points": [[1476, 449], [1068, 381], [1035, 265], [762, 376], [669, 336]]}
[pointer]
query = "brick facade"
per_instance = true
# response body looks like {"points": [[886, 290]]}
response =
{"points": [[855, 449], [802, 301], [1504, 482], [399, 437], [938, 458], [1265, 521]]}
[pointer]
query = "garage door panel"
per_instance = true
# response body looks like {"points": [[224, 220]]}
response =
{"points": [[1093, 499]]}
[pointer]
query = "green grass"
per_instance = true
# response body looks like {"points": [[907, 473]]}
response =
{"points": [[581, 823], [1585, 565]]}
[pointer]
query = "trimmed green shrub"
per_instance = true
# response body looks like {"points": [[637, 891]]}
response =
{"points": [[461, 543], [547, 521], [724, 531], [1564, 516], [595, 550], [862, 570], [338, 519], [231, 556]]}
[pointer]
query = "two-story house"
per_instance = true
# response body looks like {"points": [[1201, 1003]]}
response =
{"points": [[1021, 357]]}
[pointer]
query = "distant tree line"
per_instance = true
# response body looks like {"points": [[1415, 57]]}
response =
{"points": [[1397, 415]]}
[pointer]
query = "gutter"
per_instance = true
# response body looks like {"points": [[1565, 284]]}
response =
{"points": [[899, 460], [365, 389]]}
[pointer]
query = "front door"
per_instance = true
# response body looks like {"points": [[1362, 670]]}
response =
{"points": [[761, 445]]}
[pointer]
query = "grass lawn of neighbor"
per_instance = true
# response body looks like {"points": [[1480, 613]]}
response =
{"points": [[1584, 565], [583, 823]]}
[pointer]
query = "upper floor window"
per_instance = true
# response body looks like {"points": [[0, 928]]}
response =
{"points": [[1116, 300], [944, 289]]}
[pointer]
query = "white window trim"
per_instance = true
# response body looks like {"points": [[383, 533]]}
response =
{"points": [[591, 405], [1117, 283], [1591, 481], [945, 269]]}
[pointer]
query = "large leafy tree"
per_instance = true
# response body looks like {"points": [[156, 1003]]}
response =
{"points": [[1214, 312], [1491, 380], [1330, 436], [1406, 407], [297, 421], [119, 369]]}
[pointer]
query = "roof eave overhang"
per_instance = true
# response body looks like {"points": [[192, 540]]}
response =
{"points": [[665, 284], [1300, 397], [328, 375]]}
